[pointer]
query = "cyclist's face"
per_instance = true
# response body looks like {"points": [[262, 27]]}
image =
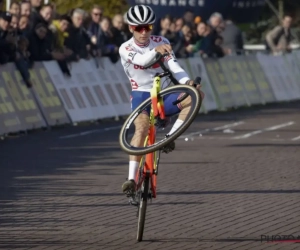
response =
{"points": [[141, 33]]}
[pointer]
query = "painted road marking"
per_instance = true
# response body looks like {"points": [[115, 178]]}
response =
{"points": [[296, 138], [264, 130], [226, 126], [90, 132]]}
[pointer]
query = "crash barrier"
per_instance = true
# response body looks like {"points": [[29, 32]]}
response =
{"points": [[102, 90]]}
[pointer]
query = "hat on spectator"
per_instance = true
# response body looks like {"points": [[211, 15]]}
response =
{"points": [[197, 19], [6, 16]]}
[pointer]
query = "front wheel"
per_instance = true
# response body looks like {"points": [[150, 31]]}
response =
{"points": [[160, 143], [142, 209]]}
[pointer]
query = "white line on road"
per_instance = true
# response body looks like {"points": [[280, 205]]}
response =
{"points": [[296, 138], [90, 132], [213, 129], [264, 130]]}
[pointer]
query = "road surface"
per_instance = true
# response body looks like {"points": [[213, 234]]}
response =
{"points": [[235, 178]]}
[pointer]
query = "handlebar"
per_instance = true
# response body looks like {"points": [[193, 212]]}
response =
{"points": [[158, 59]]}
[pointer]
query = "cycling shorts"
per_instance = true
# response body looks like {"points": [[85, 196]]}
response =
{"points": [[137, 97]]}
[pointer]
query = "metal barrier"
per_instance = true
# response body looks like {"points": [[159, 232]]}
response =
{"points": [[94, 93]]}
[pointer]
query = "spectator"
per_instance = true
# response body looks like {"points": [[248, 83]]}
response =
{"points": [[109, 47], [232, 38], [214, 22], [278, 39], [36, 5], [195, 47], [179, 24], [209, 46], [14, 8], [58, 29], [221, 27], [117, 30], [35, 8], [13, 28], [188, 18], [5, 41], [24, 26], [165, 23], [40, 48], [22, 48], [172, 27], [18, 53], [43, 16], [22, 60], [78, 40], [174, 38], [93, 28], [186, 40], [25, 8]]}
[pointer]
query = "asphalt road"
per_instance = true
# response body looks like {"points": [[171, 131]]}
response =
{"points": [[234, 179]]}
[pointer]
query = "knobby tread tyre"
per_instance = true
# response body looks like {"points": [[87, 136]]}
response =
{"points": [[195, 107], [142, 210]]}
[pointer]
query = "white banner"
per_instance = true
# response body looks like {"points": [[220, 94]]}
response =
{"points": [[69, 92], [197, 68], [102, 90], [114, 83], [269, 66], [293, 72], [286, 76]]}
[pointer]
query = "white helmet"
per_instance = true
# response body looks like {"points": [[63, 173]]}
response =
{"points": [[140, 14]]}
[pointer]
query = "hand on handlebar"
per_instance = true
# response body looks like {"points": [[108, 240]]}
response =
{"points": [[197, 85], [164, 49]]}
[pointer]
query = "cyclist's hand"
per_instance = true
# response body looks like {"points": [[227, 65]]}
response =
{"points": [[192, 82], [198, 86], [164, 48]]}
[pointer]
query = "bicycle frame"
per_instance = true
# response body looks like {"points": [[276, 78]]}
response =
{"points": [[151, 160]]}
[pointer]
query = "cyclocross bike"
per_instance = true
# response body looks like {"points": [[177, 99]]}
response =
{"points": [[148, 169]]}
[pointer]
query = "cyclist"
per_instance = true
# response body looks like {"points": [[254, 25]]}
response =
{"points": [[136, 53]]}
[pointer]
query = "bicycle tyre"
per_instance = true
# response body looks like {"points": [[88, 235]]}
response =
{"points": [[142, 209], [195, 107]]}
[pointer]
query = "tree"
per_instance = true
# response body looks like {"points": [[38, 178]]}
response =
{"points": [[110, 7]]}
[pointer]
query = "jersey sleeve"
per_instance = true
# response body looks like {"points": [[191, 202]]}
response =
{"points": [[134, 57], [178, 72]]}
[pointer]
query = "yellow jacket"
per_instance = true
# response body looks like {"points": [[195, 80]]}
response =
{"points": [[59, 36]]}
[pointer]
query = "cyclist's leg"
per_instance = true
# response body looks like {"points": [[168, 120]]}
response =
{"points": [[141, 124], [183, 108]]}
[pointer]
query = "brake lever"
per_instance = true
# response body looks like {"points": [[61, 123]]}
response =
{"points": [[197, 81]]}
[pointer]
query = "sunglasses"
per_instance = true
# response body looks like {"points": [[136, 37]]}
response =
{"points": [[140, 28]]}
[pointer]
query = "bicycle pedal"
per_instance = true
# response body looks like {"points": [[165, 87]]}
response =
{"points": [[133, 202], [150, 197], [168, 148]]}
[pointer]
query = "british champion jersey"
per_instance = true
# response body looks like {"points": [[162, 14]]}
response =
{"points": [[135, 56]]}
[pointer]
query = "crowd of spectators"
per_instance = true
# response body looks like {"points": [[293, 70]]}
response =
{"points": [[192, 36], [32, 31]]}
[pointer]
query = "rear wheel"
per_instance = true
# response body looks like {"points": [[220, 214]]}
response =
{"points": [[143, 208], [160, 143]]}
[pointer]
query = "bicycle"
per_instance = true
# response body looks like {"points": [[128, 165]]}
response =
{"points": [[148, 168]]}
